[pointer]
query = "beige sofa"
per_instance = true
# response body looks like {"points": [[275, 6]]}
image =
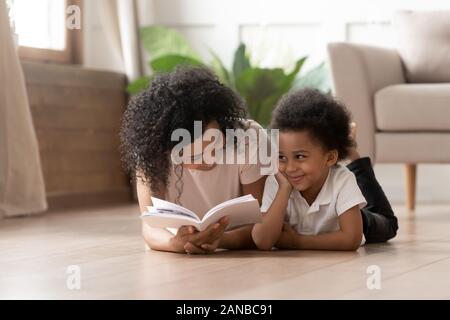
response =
{"points": [[400, 98]]}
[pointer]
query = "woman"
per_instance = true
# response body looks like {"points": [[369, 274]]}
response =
{"points": [[175, 101]]}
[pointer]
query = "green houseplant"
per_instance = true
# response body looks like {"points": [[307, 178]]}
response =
{"points": [[260, 87]]}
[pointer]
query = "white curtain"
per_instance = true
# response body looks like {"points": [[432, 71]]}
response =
{"points": [[22, 189], [120, 22]]}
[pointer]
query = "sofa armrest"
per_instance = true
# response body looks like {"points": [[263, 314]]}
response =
{"points": [[358, 72]]}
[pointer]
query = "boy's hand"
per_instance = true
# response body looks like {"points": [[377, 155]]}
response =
{"points": [[288, 238], [283, 181]]}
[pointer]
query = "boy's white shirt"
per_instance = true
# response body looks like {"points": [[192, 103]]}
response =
{"points": [[339, 193]]}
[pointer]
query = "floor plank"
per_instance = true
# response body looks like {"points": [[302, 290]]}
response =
{"points": [[105, 243]]}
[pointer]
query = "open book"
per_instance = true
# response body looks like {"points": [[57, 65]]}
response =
{"points": [[240, 211]]}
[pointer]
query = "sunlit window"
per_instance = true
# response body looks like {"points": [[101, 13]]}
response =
{"points": [[40, 23], [39, 28]]}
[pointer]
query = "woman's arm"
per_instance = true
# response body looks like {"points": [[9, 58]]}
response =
{"points": [[347, 239], [155, 238], [241, 238], [266, 233], [186, 239], [160, 239]]}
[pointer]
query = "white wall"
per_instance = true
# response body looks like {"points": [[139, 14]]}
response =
{"points": [[277, 32]]}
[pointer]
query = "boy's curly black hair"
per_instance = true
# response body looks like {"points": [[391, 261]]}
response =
{"points": [[174, 100], [327, 120]]}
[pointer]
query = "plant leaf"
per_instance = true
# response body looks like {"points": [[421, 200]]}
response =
{"points": [[160, 41], [318, 78], [168, 63], [241, 61], [220, 70], [138, 85], [290, 78], [261, 89], [298, 66]]}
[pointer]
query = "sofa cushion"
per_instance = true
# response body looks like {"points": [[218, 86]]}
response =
{"points": [[413, 107], [424, 45]]}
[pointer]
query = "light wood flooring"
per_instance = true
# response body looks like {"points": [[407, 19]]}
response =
{"points": [[105, 244]]}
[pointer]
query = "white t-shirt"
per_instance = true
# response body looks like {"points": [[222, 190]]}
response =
{"points": [[339, 193]]}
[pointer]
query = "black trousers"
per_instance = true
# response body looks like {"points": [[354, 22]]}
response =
{"points": [[379, 221]]}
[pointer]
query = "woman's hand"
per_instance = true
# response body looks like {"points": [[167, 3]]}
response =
{"points": [[208, 240], [190, 240], [288, 238]]}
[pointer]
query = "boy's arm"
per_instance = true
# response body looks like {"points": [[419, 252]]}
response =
{"points": [[241, 238], [238, 239], [347, 239], [266, 233]]}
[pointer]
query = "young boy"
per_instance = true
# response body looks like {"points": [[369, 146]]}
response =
{"points": [[314, 202]]}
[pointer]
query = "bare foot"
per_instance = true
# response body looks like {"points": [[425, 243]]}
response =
{"points": [[352, 152]]}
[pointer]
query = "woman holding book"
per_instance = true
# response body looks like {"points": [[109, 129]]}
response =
{"points": [[176, 100]]}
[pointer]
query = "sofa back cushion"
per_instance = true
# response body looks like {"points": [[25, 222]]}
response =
{"points": [[424, 45]]}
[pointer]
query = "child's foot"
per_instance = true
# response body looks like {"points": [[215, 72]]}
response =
{"points": [[352, 152]]}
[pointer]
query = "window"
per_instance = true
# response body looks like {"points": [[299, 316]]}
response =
{"points": [[41, 29]]}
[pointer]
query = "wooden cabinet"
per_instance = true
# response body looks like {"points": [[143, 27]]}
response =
{"points": [[77, 115]]}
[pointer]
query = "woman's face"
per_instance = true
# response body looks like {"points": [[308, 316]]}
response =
{"points": [[197, 156]]}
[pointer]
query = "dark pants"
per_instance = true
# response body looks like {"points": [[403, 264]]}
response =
{"points": [[379, 221]]}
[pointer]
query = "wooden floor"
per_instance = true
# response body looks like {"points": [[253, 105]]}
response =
{"points": [[35, 254]]}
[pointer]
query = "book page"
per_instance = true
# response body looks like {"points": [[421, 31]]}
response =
{"points": [[166, 220], [159, 211], [172, 208], [240, 212], [227, 203]]}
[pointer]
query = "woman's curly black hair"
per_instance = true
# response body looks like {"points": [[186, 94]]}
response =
{"points": [[174, 100], [327, 120]]}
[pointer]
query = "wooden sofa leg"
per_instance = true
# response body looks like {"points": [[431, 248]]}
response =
{"points": [[410, 175]]}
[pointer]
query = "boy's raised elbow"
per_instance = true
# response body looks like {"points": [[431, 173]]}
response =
{"points": [[354, 243], [264, 246], [262, 243], [353, 247]]}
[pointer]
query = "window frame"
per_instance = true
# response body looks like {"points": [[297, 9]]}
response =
{"points": [[72, 53]]}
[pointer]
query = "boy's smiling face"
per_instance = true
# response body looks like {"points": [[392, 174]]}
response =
{"points": [[305, 162]]}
